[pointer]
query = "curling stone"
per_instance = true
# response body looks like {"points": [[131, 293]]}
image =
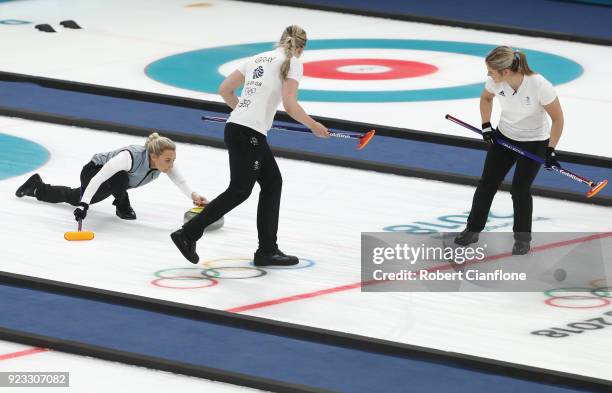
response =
{"points": [[191, 213]]}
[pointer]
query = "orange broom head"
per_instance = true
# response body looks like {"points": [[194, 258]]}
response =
{"points": [[365, 139], [80, 235], [596, 188]]}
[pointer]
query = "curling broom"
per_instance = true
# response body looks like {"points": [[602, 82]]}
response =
{"points": [[594, 187], [363, 138], [80, 234]]}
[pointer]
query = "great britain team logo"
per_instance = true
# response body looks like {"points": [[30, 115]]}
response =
{"points": [[258, 72], [364, 70]]}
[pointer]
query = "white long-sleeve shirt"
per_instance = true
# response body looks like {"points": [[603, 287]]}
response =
{"points": [[123, 162]]}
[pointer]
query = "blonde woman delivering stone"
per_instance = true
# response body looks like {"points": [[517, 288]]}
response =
{"points": [[114, 173]]}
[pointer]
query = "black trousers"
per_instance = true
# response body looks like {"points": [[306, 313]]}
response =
{"points": [[250, 160], [497, 164], [117, 186]]}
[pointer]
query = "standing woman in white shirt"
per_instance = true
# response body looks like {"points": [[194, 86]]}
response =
{"points": [[267, 79], [114, 173], [525, 98]]}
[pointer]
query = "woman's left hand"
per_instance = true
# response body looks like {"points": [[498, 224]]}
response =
{"points": [[198, 199]]}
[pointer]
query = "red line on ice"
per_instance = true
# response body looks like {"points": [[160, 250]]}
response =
{"points": [[25, 352], [356, 285]]}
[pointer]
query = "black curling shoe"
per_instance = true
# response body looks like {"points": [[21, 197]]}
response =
{"points": [[185, 246], [466, 237], [521, 247], [29, 187], [275, 258], [124, 210]]}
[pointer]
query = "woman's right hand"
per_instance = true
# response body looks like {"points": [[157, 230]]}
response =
{"points": [[81, 211], [319, 130], [198, 199]]}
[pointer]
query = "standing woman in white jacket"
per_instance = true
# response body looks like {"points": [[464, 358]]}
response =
{"points": [[526, 98], [267, 79]]}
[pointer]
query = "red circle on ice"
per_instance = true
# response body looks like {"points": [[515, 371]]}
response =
{"points": [[367, 69]]}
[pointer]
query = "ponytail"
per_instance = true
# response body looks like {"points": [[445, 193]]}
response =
{"points": [[523, 66], [504, 57], [293, 38]]}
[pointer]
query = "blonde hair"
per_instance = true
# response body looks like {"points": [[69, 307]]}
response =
{"points": [[293, 38], [504, 57], [157, 144]]}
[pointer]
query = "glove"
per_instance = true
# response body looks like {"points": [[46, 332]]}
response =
{"points": [[487, 133], [81, 212], [551, 159]]}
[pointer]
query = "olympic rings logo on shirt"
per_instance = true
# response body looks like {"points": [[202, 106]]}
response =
{"points": [[216, 270], [597, 295]]}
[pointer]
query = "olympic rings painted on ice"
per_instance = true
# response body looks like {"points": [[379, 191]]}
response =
{"points": [[597, 291], [219, 268], [214, 270], [160, 274], [591, 295], [553, 301], [219, 272], [158, 282]]}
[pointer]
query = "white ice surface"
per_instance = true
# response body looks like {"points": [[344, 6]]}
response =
{"points": [[324, 209]]}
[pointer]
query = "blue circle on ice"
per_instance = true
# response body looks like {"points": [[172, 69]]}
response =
{"points": [[19, 156], [199, 70]]}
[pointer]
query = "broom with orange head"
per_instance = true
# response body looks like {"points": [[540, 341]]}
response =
{"points": [[362, 138], [80, 234], [80, 213], [594, 186]]}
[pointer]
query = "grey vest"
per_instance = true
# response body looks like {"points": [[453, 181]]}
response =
{"points": [[140, 173]]}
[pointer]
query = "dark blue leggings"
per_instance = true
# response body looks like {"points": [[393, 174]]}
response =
{"points": [[117, 186], [250, 160], [497, 164]]}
